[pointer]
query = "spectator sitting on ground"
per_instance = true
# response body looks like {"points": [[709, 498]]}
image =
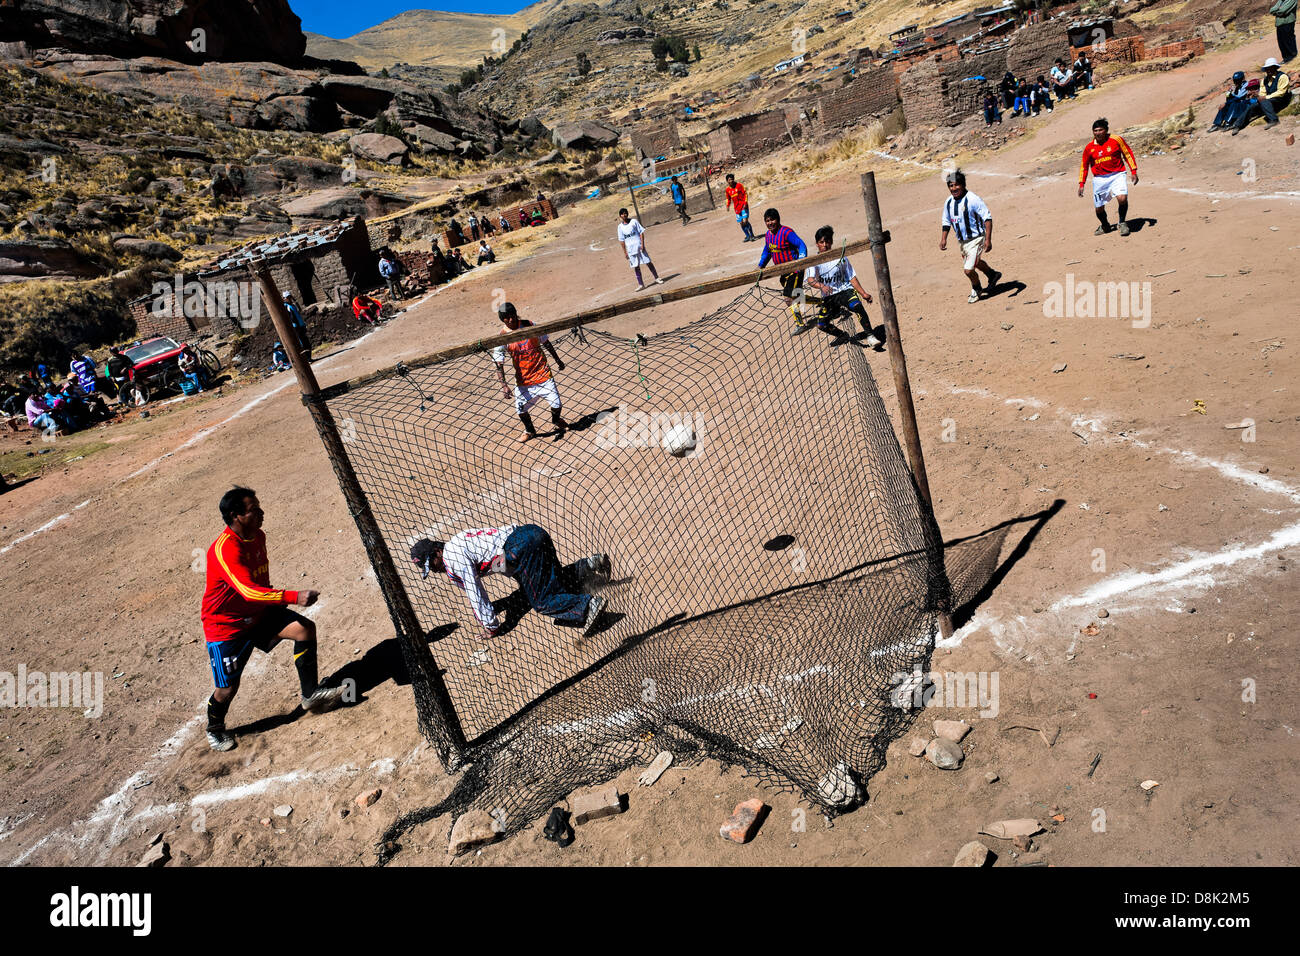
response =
{"points": [[118, 368], [1044, 94], [1236, 102], [537, 218], [991, 110], [84, 368], [485, 253], [89, 406], [1062, 80], [1082, 70], [1022, 98], [42, 416], [365, 308], [279, 358], [523, 219], [486, 227], [1274, 94], [462, 264], [504, 222]]}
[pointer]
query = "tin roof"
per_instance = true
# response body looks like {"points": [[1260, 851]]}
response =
{"points": [[281, 247]]}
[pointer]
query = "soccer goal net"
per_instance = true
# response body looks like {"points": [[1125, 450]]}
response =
{"points": [[770, 583]]}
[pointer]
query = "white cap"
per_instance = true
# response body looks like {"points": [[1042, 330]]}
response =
{"points": [[1271, 61]]}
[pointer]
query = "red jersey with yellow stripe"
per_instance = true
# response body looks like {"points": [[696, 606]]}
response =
{"points": [[1108, 158], [238, 586]]}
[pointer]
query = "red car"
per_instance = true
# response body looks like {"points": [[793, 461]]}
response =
{"points": [[154, 366]]}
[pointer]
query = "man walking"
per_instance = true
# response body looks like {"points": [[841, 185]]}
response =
{"points": [[298, 324], [533, 380], [738, 201], [679, 200], [1109, 158], [1284, 21], [241, 613], [631, 233], [526, 553], [967, 215]]}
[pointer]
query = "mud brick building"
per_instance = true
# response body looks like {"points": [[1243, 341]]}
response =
{"points": [[315, 265], [747, 135], [944, 93], [661, 139], [873, 92]]}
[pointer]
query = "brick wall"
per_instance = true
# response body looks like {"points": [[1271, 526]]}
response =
{"points": [[942, 93], [748, 135], [661, 139], [148, 324], [872, 91], [1128, 49], [1034, 49], [1196, 47]]}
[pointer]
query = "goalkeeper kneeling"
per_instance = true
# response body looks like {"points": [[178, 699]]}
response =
{"points": [[526, 553]]}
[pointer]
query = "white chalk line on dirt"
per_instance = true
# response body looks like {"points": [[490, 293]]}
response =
{"points": [[1187, 574], [45, 527], [1204, 193]]}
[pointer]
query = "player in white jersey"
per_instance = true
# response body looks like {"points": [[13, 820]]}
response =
{"points": [[526, 553], [839, 287]]}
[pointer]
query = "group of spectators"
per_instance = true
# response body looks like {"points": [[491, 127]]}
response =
{"points": [[55, 405], [1025, 97], [1248, 100]]}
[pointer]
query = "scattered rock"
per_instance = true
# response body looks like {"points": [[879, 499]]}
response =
{"points": [[380, 148], [1006, 327], [266, 821], [744, 821], [917, 746], [974, 853], [1103, 613], [368, 798], [954, 730], [157, 838], [594, 804], [1022, 842], [1060, 368], [474, 828], [656, 769], [991, 777], [1009, 829], [283, 810], [158, 855], [837, 786], [944, 754]]}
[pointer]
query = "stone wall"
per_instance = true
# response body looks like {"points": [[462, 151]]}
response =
{"points": [[871, 92], [943, 93], [747, 135], [1034, 49]]}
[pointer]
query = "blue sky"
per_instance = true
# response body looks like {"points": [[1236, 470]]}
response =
{"points": [[344, 18]]}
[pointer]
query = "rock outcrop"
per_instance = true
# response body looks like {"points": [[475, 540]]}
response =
{"points": [[194, 30]]}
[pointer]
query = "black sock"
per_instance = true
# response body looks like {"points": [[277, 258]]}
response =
{"points": [[528, 423], [217, 713], [556, 420], [304, 658]]}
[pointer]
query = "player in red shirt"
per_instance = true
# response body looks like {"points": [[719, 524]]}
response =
{"points": [[738, 200], [533, 381], [241, 611], [1109, 158]]}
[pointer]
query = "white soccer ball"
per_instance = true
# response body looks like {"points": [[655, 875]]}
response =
{"points": [[679, 440]]}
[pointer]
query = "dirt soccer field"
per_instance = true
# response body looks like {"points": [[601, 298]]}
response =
{"points": [[1150, 619]]}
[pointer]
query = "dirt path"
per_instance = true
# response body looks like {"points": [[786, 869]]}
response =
{"points": [[1168, 524]]}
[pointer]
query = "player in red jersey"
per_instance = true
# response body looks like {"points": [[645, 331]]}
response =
{"points": [[1109, 158], [242, 612]]}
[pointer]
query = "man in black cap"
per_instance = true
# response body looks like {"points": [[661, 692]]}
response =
{"points": [[533, 381], [526, 553]]}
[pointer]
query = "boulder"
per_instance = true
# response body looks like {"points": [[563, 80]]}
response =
{"points": [[231, 29], [340, 202], [583, 134], [473, 829], [147, 248], [432, 140], [45, 259], [299, 112], [307, 172], [366, 96], [380, 149]]}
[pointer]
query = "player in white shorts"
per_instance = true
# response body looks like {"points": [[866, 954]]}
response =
{"points": [[533, 382], [1110, 160], [967, 215]]}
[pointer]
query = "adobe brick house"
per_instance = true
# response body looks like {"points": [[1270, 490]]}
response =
{"points": [[744, 135], [315, 265], [660, 139], [872, 92]]}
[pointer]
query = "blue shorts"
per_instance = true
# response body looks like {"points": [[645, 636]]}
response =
{"points": [[228, 658], [743, 215]]}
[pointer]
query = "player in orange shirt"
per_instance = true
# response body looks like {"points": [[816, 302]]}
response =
{"points": [[738, 200], [1109, 158], [533, 380]]}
